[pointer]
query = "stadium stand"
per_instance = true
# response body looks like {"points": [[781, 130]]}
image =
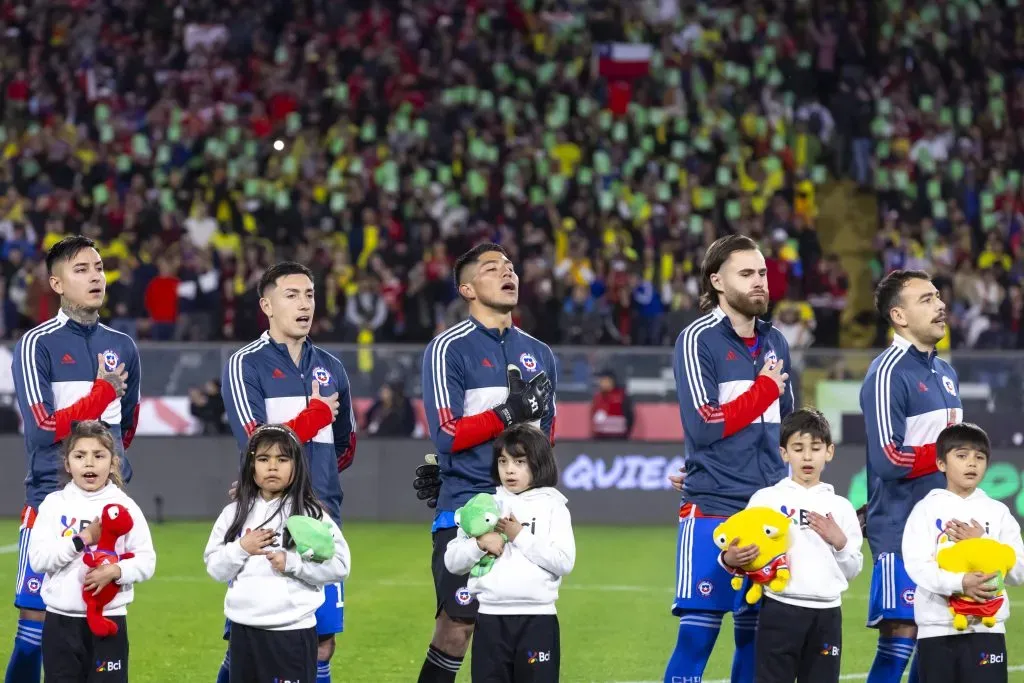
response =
{"points": [[941, 121], [604, 143]]}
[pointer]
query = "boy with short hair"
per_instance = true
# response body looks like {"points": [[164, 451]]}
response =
{"points": [[800, 630], [957, 512]]}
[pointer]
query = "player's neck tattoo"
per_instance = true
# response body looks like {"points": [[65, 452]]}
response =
{"points": [[80, 314]]}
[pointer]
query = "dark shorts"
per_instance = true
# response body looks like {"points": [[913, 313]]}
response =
{"points": [[261, 656], [966, 658], [516, 648], [72, 654], [452, 594]]}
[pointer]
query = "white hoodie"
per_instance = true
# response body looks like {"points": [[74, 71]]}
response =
{"points": [[525, 579], [51, 550], [260, 596], [819, 573], [934, 586]]}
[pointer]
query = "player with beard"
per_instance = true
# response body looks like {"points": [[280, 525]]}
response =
{"points": [[733, 393], [479, 377], [283, 378], [908, 397], [68, 369]]}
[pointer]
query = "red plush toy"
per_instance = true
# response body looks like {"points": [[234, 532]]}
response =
{"points": [[115, 522]]}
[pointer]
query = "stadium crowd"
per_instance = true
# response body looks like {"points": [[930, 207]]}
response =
{"points": [[200, 142]]}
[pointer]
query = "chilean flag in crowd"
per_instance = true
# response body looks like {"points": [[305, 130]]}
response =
{"points": [[623, 60]]}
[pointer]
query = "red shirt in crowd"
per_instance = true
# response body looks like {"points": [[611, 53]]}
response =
{"points": [[162, 299]]}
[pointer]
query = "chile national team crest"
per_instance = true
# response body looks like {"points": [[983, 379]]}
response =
{"points": [[463, 596], [110, 360], [322, 376], [770, 358], [948, 384], [528, 362]]}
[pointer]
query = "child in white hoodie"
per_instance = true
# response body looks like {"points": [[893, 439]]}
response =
{"points": [[273, 593], [800, 630], [949, 515], [68, 523], [517, 636]]}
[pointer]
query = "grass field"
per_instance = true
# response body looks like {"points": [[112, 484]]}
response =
{"points": [[613, 609]]}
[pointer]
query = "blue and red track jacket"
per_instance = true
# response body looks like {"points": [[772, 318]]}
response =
{"points": [[464, 378], [54, 368], [262, 385], [731, 416], [907, 398]]}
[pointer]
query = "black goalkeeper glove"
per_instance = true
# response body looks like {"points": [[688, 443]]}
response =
{"points": [[428, 481], [527, 401]]}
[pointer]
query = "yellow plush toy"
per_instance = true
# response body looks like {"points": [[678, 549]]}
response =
{"points": [[984, 555], [769, 530]]}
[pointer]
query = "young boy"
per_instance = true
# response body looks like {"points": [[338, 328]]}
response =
{"points": [[957, 512], [800, 630]]}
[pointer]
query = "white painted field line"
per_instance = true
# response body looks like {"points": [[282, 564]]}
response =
{"points": [[844, 677], [8, 549]]}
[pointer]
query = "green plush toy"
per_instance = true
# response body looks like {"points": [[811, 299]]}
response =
{"points": [[478, 517], [313, 538]]}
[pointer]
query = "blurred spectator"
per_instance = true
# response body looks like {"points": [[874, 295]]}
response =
{"points": [[365, 310], [207, 406], [391, 414], [611, 411], [377, 140], [581, 319]]}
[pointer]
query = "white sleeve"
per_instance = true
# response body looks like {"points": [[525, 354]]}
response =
{"points": [[919, 555], [1009, 533], [557, 552], [139, 541], [224, 560], [333, 570], [48, 551], [850, 557], [462, 553], [760, 499]]}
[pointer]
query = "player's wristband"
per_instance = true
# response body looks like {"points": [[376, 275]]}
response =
{"points": [[79, 543]]}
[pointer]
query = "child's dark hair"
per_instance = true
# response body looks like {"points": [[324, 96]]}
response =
{"points": [[526, 441], [806, 421], [299, 492], [963, 435], [94, 429]]}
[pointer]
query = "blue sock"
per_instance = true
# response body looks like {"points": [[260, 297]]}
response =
{"points": [[890, 660], [323, 672], [744, 631], [225, 668], [912, 678], [697, 634], [27, 659]]}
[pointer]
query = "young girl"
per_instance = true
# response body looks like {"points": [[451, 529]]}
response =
{"points": [[63, 530], [273, 594], [516, 635]]}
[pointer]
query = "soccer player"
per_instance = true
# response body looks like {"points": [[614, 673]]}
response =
{"points": [[733, 393], [479, 377], [909, 396], [282, 378], [68, 369]]}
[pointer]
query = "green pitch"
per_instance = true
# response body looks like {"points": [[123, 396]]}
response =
{"points": [[613, 609]]}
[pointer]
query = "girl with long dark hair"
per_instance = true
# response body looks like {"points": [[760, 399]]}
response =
{"points": [[273, 593]]}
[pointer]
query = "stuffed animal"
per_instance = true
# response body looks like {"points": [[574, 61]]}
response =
{"points": [[477, 517], [767, 529], [985, 555], [115, 522], [313, 538]]}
